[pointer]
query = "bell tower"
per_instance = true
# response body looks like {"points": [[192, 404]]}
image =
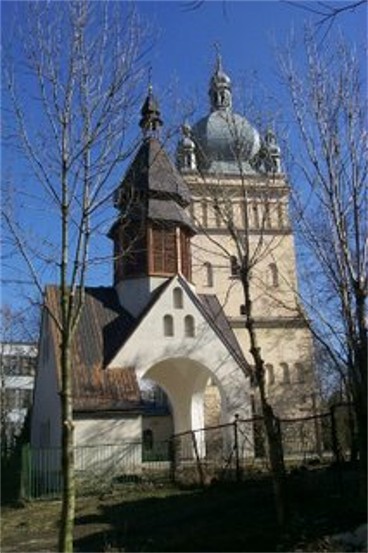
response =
{"points": [[152, 232], [240, 200]]}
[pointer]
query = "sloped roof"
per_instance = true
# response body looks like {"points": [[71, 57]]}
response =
{"points": [[216, 315], [103, 327], [152, 170], [168, 210]]}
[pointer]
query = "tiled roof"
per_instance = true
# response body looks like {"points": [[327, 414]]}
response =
{"points": [[103, 327]]}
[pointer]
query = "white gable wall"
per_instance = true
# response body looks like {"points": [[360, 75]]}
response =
{"points": [[182, 365]]}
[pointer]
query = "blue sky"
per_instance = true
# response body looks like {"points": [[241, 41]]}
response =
{"points": [[247, 32], [183, 54]]}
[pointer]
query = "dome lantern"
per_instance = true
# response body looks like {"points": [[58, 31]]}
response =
{"points": [[220, 87], [151, 120]]}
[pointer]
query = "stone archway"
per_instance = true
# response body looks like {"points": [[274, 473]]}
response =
{"points": [[185, 382]]}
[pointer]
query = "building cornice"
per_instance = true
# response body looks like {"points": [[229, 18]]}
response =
{"points": [[270, 322]]}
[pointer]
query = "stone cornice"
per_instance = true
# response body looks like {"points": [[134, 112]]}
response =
{"points": [[252, 232], [270, 322]]}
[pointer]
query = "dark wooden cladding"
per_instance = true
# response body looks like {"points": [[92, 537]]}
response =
{"points": [[163, 250], [186, 260], [130, 251]]}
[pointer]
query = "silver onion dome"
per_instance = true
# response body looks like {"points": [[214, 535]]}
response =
{"points": [[225, 141]]}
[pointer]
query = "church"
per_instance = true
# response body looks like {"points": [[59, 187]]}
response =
{"points": [[165, 350]]}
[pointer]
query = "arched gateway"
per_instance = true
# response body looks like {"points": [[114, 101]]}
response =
{"points": [[182, 365]]}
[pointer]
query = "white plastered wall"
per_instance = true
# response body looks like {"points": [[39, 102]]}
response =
{"points": [[182, 365], [108, 443], [46, 410]]}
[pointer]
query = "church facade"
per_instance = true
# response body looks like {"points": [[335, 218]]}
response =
{"points": [[173, 321]]}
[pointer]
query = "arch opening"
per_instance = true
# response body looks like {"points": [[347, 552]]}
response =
{"points": [[196, 400]]}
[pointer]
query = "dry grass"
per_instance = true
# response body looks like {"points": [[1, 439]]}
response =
{"points": [[222, 517]]}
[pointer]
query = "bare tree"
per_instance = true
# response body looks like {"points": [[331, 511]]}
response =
{"points": [[328, 12], [240, 202], [329, 170], [81, 65]]}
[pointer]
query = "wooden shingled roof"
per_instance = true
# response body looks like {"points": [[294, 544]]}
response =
{"points": [[153, 171], [103, 327]]}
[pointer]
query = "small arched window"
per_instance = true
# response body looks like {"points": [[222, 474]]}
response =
{"points": [[274, 275], [189, 326], [300, 372], [270, 374], [285, 373], [178, 298], [168, 325], [209, 274]]}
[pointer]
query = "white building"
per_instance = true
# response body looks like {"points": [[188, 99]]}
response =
{"points": [[18, 364]]}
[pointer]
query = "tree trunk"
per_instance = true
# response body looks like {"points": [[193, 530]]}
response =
{"points": [[360, 404], [276, 457], [272, 426], [68, 498]]}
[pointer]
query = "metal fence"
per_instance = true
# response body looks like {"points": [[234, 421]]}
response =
{"points": [[97, 467], [227, 451]]}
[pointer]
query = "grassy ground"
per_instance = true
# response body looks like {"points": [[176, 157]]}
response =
{"points": [[222, 517]]}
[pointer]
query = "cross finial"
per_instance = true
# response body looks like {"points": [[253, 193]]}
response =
{"points": [[216, 45], [150, 78]]}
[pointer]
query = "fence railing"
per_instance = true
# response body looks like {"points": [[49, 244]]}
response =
{"points": [[225, 451]]}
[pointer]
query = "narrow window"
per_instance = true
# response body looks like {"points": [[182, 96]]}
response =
{"points": [[148, 439], [255, 215], [270, 374], [189, 327], [191, 210], [285, 373], [300, 372], [274, 275], [268, 215], [168, 325], [218, 213], [234, 266], [209, 274], [178, 298], [280, 214], [204, 214]]}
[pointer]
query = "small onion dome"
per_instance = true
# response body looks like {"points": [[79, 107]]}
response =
{"points": [[150, 112], [274, 152], [186, 158], [270, 140]]}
